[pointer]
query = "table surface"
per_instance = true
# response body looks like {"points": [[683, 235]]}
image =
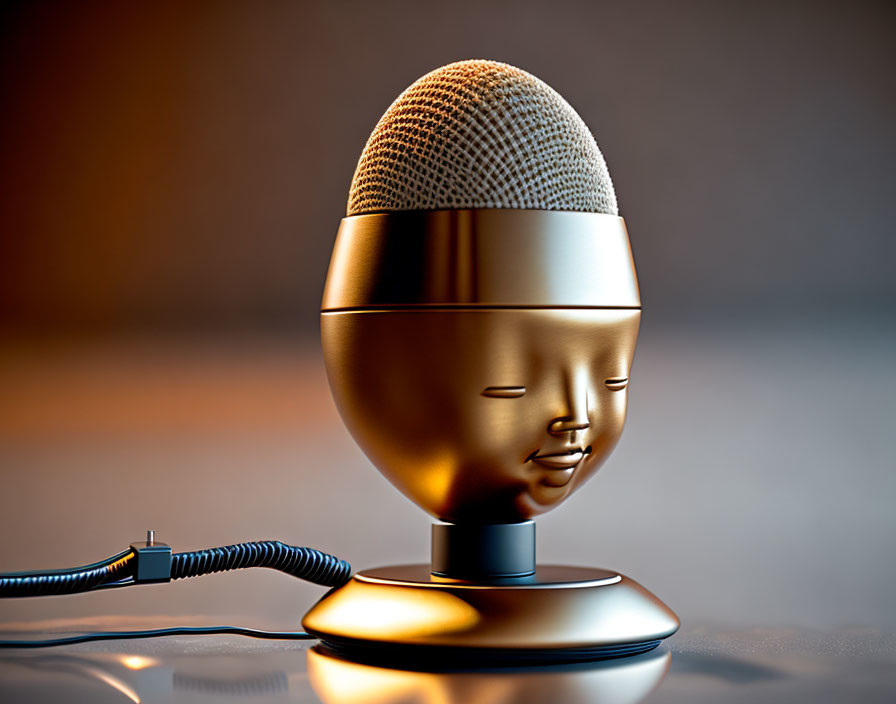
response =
{"points": [[698, 664], [773, 552]]}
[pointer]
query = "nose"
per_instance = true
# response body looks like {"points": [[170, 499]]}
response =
{"points": [[559, 426], [576, 417]]}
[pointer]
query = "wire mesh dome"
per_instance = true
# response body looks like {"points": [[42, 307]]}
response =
{"points": [[481, 134]]}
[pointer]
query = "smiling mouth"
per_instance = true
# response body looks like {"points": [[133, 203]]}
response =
{"points": [[560, 460]]}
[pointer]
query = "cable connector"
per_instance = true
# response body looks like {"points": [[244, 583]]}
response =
{"points": [[153, 560]]}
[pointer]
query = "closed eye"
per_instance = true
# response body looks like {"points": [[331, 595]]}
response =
{"points": [[617, 383], [504, 391]]}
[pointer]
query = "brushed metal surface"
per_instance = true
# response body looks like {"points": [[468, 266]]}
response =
{"points": [[481, 359], [562, 608], [410, 388], [483, 257]]}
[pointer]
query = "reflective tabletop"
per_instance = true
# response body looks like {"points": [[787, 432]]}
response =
{"points": [[698, 664], [752, 492]]}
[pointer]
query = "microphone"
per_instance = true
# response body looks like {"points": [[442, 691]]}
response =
{"points": [[478, 325], [481, 134]]}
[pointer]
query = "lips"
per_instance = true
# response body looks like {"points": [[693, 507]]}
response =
{"points": [[562, 465], [560, 460]]}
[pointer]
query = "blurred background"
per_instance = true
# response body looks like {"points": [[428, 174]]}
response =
{"points": [[171, 179]]}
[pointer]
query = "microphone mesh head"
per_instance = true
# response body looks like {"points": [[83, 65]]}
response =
{"points": [[481, 134]]}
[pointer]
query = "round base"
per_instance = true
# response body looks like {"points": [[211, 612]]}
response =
{"points": [[559, 614]]}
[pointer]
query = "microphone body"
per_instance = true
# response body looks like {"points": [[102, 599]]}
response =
{"points": [[478, 325]]}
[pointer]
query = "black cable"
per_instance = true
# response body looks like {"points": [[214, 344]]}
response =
{"points": [[127, 568], [68, 581], [157, 633], [305, 563]]}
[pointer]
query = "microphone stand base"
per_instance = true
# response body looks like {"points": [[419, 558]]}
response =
{"points": [[560, 614]]}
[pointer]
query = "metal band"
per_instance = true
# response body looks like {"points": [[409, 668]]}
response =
{"points": [[483, 551], [481, 258]]}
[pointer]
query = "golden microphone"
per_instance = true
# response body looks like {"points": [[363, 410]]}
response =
{"points": [[478, 325]]}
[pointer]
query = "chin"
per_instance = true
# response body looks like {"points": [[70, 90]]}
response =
{"points": [[540, 498]]}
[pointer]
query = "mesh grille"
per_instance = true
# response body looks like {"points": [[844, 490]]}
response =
{"points": [[481, 134]]}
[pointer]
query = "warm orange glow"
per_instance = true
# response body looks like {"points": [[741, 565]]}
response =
{"points": [[411, 614], [137, 662], [342, 682], [114, 683], [624, 681]]}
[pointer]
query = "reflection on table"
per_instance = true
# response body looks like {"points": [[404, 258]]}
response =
{"points": [[280, 676], [620, 681]]}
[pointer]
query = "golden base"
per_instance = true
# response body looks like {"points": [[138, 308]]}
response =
{"points": [[560, 613]]}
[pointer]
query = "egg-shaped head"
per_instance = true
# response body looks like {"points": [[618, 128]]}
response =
{"points": [[481, 309]]}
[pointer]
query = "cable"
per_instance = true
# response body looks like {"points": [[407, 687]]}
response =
{"points": [[152, 562], [68, 581], [158, 633], [305, 563]]}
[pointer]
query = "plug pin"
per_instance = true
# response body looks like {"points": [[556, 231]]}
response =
{"points": [[153, 560]]}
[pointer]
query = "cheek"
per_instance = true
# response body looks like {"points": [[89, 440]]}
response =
{"points": [[503, 429], [607, 417]]}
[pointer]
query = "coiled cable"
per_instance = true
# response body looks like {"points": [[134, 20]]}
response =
{"points": [[121, 570], [69, 581], [305, 563]]}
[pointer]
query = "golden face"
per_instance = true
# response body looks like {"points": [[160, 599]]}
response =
{"points": [[490, 415]]}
